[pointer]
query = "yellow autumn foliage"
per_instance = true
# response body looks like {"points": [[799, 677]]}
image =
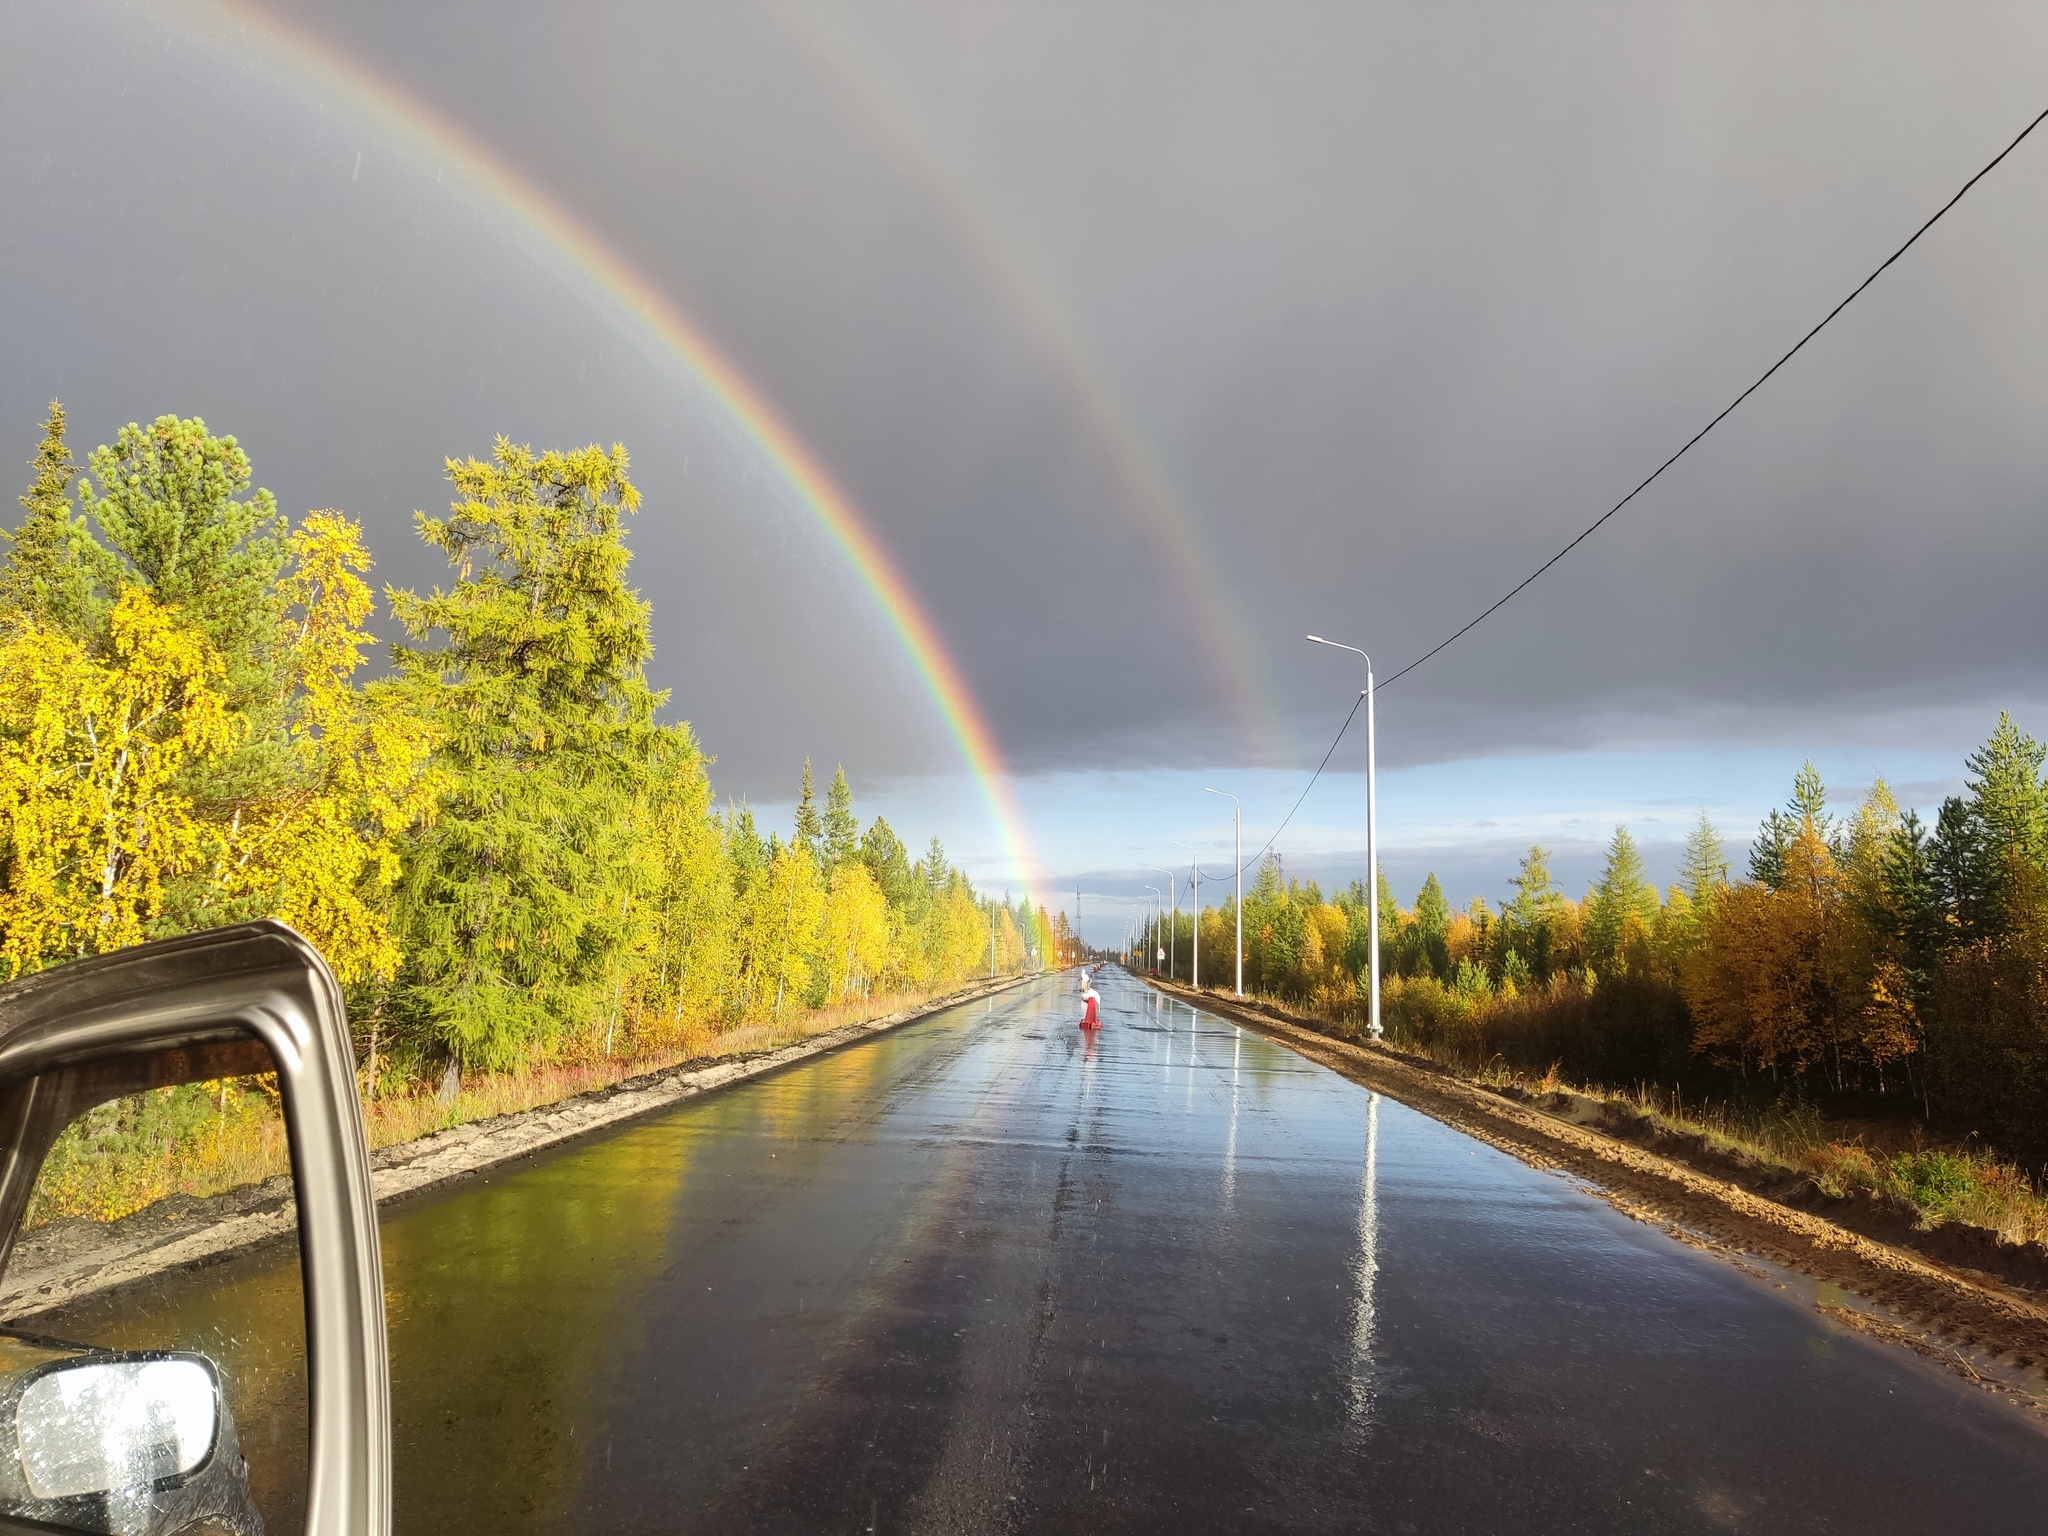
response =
{"points": [[315, 853], [90, 751]]}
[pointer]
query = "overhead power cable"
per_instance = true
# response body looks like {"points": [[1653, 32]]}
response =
{"points": [[1311, 784], [1593, 527], [1726, 411]]}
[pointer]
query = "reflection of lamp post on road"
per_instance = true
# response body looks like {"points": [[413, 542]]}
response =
{"points": [[1237, 877], [1172, 923], [1372, 832], [1195, 906]]}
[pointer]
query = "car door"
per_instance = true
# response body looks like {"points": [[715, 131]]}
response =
{"points": [[108, 1433]]}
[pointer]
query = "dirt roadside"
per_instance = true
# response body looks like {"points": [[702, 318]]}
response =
{"points": [[1984, 1326], [66, 1261]]}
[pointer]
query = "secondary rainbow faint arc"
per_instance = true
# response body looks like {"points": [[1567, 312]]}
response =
{"points": [[445, 144], [1050, 325]]}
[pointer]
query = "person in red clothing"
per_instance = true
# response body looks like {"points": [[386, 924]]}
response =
{"points": [[1088, 1000]]}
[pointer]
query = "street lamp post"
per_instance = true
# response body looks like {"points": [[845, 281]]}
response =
{"points": [[1172, 923], [1152, 944], [1372, 833], [1195, 902], [1237, 875]]}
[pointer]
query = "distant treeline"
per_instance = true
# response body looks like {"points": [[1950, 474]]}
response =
{"points": [[504, 851], [1862, 954]]}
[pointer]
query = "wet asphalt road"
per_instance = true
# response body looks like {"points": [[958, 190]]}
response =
{"points": [[981, 1275]]}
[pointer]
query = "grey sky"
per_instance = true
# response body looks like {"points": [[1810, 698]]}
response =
{"points": [[1398, 297]]}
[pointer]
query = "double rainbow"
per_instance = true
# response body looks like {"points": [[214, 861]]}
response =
{"points": [[265, 41]]}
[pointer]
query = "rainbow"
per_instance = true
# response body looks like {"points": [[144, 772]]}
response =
{"points": [[249, 37], [1047, 322]]}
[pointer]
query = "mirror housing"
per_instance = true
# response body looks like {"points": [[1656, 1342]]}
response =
{"points": [[255, 997]]}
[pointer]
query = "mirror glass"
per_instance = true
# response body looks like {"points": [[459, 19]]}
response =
{"points": [[99, 1426], [152, 1312]]}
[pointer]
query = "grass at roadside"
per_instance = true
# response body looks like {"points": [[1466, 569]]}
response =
{"points": [[1940, 1183], [203, 1139]]}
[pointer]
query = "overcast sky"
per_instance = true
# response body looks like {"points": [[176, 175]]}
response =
{"points": [[1146, 338]]}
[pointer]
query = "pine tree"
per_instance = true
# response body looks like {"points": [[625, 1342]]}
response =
{"points": [[514, 905], [1767, 852], [1961, 872], [1703, 870], [2007, 797], [1912, 897], [842, 832], [45, 573], [163, 500], [810, 830]]}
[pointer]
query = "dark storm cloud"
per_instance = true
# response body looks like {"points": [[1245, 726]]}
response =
{"points": [[1403, 297]]}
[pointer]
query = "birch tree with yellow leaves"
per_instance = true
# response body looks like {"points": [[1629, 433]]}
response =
{"points": [[92, 821]]}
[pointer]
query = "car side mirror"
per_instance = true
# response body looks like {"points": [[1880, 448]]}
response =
{"points": [[253, 998], [98, 1425]]}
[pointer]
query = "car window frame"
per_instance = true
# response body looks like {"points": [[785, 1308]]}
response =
{"points": [[204, 993]]}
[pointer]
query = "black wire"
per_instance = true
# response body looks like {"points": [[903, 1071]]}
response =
{"points": [[1592, 528], [1311, 784], [1703, 431]]}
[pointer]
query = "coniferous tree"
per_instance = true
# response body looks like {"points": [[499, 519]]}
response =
{"points": [[1624, 893], [1703, 870], [1432, 927], [1809, 804], [1913, 897], [160, 513], [45, 573], [889, 862], [842, 832], [163, 503], [1767, 853], [1535, 890], [2007, 795], [514, 903], [1962, 882], [810, 830], [1527, 922], [2008, 807]]}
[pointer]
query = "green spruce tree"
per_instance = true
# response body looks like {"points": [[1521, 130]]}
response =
{"points": [[2006, 795], [163, 502], [810, 829], [45, 574], [842, 832]]}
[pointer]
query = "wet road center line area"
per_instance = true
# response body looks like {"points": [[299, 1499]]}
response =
{"points": [[992, 1272]]}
